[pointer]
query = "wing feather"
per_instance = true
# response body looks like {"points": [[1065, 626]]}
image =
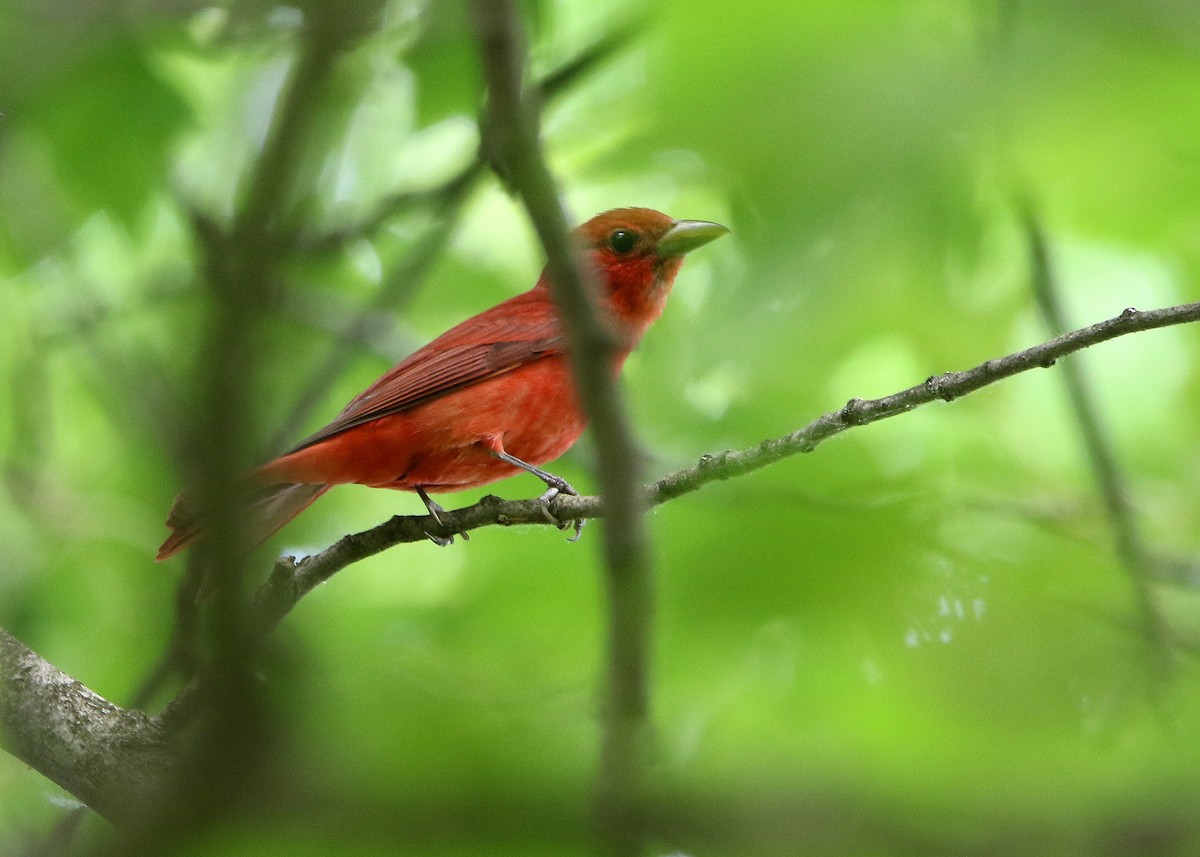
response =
{"points": [[518, 331]]}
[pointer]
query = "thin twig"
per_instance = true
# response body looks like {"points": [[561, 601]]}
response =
{"points": [[446, 195], [1101, 456], [290, 580], [554, 84], [511, 138]]}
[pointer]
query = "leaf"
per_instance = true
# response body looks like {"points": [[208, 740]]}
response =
{"points": [[445, 63], [109, 121]]}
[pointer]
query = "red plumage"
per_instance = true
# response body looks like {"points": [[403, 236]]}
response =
{"points": [[497, 384]]}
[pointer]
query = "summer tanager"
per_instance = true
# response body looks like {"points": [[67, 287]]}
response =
{"points": [[487, 399]]}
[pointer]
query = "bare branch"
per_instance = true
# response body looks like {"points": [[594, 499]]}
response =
{"points": [[1103, 459], [947, 387], [110, 757], [512, 139], [115, 760], [290, 580]]}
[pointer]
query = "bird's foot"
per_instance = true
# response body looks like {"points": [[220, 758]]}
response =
{"points": [[555, 485], [436, 511], [561, 486]]}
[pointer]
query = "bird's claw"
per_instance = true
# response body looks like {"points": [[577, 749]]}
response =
{"points": [[436, 512], [445, 541], [563, 487], [545, 499]]}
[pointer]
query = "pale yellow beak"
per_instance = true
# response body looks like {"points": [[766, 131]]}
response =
{"points": [[685, 236]]}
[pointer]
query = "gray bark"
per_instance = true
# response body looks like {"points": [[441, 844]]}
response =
{"points": [[113, 759]]}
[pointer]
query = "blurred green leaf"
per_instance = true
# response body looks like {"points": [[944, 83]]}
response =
{"points": [[108, 122], [445, 63]]}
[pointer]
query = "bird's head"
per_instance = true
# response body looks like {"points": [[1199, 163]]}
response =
{"points": [[636, 253]]}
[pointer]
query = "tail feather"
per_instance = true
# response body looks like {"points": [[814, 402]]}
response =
{"points": [[273, 507]]}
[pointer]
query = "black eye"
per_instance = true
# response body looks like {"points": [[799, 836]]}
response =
{"points": [[622, 240]]}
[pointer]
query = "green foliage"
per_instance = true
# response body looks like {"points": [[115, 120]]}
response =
{"points": [[917, 639]]}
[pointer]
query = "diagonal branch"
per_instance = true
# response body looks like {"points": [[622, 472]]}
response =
{"points": [[552, 85], [400, 286], [290, 580], [111, 758], [94, 726]]}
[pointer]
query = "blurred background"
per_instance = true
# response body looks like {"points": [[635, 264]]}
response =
{"points": [[919, 639]]}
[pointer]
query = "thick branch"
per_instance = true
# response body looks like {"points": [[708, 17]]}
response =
{"points": [[113, 759]]}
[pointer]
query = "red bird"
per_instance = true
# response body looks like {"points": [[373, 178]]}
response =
{"points": [[485, 400]]}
